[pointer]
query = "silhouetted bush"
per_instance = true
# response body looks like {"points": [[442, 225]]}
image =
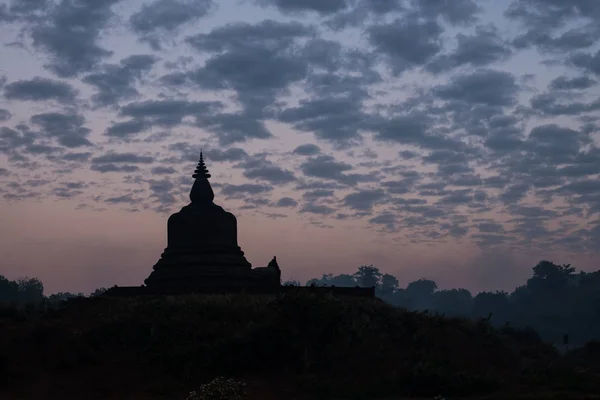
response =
{"points": [[353, 348]]}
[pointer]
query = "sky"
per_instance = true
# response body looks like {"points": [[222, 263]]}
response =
{"points": [[455, 140]]}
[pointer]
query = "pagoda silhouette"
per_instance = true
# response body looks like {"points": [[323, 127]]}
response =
{"points": [[203, 255], [202, 246]]}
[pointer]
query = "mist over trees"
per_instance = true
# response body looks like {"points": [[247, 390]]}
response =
{"points": [[555, 301]]}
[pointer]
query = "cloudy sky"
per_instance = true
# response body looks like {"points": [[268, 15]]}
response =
{"points": [[456, 140]]}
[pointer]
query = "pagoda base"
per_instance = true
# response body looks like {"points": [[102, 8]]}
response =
{"points": [[216, 266], [216, 276], [133, 291]]}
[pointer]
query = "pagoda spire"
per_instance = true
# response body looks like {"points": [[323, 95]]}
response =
{"points": [[201, 170], [201, 190]]}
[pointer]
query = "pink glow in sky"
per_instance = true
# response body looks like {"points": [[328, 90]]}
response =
{"points": [[456, 141]]}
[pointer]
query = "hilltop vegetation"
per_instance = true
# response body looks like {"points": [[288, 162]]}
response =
{"points": [[295, 345], [556, 301], [418, 341]]}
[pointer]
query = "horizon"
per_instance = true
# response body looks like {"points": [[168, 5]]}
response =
{"points": [[458, 142]]}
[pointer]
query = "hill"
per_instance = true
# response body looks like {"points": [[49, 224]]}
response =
{"points": [[293, 345]]}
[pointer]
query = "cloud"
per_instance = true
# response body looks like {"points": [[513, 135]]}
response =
{"points": [[483, 86], [160, 170], [581, 187], [115, 82], [232, 191], [5, 115], [111, 167], [312, 208], [273, 59], [162, 113], [456, 197], [387, 219], [326, 167], [286, 202], [456, 12], [326, 7], [162, 192], [117, 158], [66, 128], [587, 62], [364, 200], [69, 190], [515, 193], [27, 6], [167, 113], [317, 194], [69, 33], [543, 23], [257, 61], [490, 227], [402, 186], [436, 135], [577, 83], [308, 149], [76, 156], [42, 149], [40, 89], [262, 169], [127, 128], [576, 38], [11, 139], [411, 129], [230, 128], [230, 154], [124, 199], [552, 104], [553, 142], [362, 12], [407, 43], [163, 18], [337, 120], [478, 50]]}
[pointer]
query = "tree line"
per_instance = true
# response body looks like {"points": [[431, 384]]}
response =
{"points": [[24, 291], [559, 303]]}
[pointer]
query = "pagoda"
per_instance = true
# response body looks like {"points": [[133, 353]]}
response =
{"points": [[202, 247]]}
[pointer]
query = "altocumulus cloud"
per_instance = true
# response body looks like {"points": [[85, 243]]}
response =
{"points": [[428, 128]]}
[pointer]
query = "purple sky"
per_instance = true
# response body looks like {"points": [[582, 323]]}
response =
{"points": [[454, 140]]}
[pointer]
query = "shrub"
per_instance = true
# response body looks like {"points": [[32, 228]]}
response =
{"points": [[219, 388]]}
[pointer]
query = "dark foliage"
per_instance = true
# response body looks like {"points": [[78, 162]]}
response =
{"points": [[324, 346], [556, 301]]}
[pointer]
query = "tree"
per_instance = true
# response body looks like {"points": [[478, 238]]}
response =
{"points": [[98, 292], [31, 290], [548, 278], [368, 276], [422, 287], [331, 280], [453, 302], [344, 280], [324, 281], [419, 294], [498, 304], [548, 270], [60, 297], [389, 284], [9, 290]]}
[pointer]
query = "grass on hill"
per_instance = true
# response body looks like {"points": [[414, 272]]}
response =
{"points": [[294, 345]]}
